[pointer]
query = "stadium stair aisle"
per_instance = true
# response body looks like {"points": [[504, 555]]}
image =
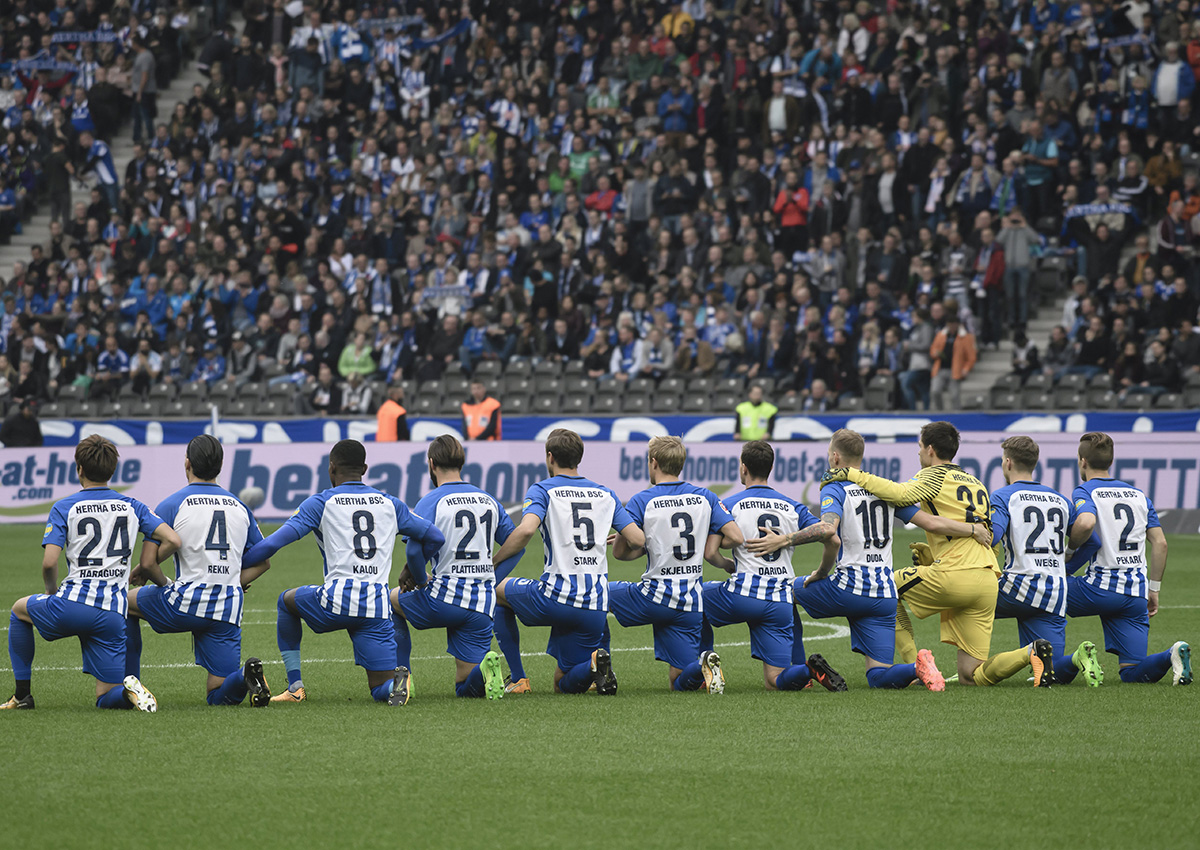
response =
{"points": [[36, 230]]}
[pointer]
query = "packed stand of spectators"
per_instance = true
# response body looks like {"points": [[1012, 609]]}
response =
{"points": [[832, 195]]}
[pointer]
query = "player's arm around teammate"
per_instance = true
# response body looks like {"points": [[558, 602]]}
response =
{"points": [[460, 597], [93, 528]]}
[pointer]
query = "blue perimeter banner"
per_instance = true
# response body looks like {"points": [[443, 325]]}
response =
{"points": [[693, 429]]}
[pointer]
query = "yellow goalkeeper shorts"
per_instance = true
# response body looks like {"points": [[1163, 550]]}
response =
{"points": [[965, 599]]}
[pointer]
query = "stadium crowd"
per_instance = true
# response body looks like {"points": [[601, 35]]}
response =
{"points": [[818, 193]]}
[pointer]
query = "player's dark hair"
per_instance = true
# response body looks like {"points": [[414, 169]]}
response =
{"points": [[942, 437], [759, 458], [445, 452], [349, 456], [97, 458], [1022, 450], [849, 444], [1096, 450], [566, 447], [207, 456]]}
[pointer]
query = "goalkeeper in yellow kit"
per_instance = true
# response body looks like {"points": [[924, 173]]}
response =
{"points": [[957, 576]]}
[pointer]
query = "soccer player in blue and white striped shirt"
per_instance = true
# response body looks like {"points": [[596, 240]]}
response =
{"points": [[356, 528], [679, 521], [1116, 587], [854, 579], [1034, 522], [759, 593], [96, 529], [574, 515], [461, 596], [205, 598]]}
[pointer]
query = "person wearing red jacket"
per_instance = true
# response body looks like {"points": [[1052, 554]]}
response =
{"points": [[791, 210], [604, 200], [988, 284]]}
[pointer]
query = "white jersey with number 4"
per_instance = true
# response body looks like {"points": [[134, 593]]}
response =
{"points": [[215, 530]]}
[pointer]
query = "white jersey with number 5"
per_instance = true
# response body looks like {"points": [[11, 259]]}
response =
{"points": [[575, 515]]}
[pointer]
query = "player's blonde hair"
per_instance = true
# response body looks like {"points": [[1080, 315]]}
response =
{"points": [[849, 444], [670, 452]]}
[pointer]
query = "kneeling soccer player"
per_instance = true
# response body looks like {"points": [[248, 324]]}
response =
{"points": [[679, 520], [760, 590], [855, 580], [461, 595], [356, 528], [1116, 587], [574, 515], [1035, 524], [205, 599], [95, 528], [959, 582]]}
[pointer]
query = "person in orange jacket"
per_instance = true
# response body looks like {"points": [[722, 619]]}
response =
{"points": [[791, 210], [954, 355]]}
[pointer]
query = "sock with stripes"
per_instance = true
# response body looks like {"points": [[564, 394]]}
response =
{"points": [[577, 680], [895, 678], [287, 632], [114, 699], [403, 641], [798, 656], [380, 693], [20, 649], [509, 640], [906, 643], [1148, 669], [230, 692], [691, 679], [472, 686], [133, 646], [1001, 665], [1065, 670], [794, 678]]}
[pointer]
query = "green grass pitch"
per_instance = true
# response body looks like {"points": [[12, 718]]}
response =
{"points": [[1004, 767]]}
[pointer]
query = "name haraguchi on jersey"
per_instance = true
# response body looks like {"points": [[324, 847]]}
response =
{"points": [[575, 515], [356, 527], [677, 518], [97, 529], [1034, 522], [767, 577], [472, 522], [216, 530], [866, 524], [1123, 516], [943, 490]]}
